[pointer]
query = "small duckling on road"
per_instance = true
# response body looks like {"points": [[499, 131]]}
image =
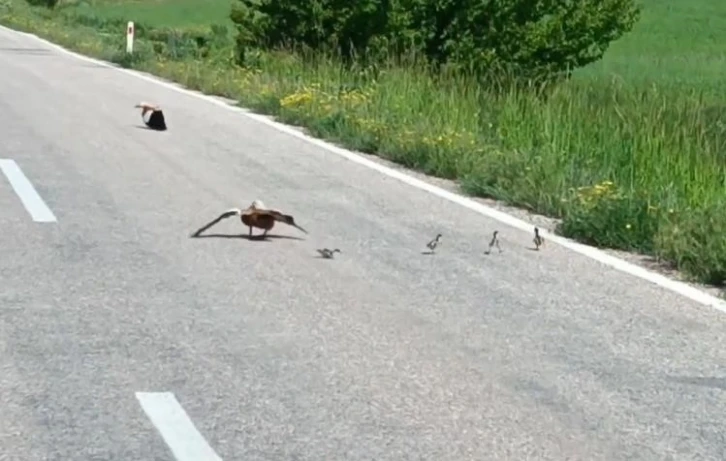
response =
{"points": [[328, 254], [494, 242], [434, 243], [538, 240]]}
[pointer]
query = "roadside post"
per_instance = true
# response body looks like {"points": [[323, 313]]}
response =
{"points": [[130, 37]]}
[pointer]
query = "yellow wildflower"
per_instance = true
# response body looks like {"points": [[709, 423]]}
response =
{"points": [[296, 99]]}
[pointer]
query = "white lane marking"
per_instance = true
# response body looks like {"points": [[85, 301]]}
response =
{"points": [[30, 198], [177, 430], [681, 288]]}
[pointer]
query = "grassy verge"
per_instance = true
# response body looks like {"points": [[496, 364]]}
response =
{"points": [[632, 161]]}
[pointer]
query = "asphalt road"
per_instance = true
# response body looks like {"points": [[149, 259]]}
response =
{"points": [[275, 354]]}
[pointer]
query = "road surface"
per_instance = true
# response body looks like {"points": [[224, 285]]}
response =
{"points": [[274, 354]]}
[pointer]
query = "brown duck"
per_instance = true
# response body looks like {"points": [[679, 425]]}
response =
{"points": [[256, 215]]}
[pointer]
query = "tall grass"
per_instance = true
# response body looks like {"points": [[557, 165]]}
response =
{"points": [[629, 163]]}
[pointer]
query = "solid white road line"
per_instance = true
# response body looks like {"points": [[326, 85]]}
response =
{"points": [[681, 288], [35, 205], [177, 430]]}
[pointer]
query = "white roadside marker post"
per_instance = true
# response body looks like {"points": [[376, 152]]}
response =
{"points": [[130, 37]]}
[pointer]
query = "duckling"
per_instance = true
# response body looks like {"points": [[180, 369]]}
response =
{"points": [[328, 254], [538, 240], [256, 215], [156, 118], [494, 242], [434, 243]]}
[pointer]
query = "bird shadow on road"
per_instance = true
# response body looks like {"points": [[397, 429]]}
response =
{"points": [[27, 51], [705, 381], [254, 238], [142, 127], [428, 253]]}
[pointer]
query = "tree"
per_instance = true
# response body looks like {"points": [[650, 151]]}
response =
{"points": [[527, 39], [346, 25], [45, 3]]}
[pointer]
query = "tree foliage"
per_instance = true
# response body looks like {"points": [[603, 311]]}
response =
{"points": [[347, 25], [526, 38], [45, 3]]}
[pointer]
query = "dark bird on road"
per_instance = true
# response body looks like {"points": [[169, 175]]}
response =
{"points": [[155, 120]]}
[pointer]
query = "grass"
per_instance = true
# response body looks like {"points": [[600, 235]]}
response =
{"points": [[163, 13], [628, 155], [676, 44]]}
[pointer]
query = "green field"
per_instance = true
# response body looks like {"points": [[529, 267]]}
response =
{"points": [[629, 155], [177, 13]]}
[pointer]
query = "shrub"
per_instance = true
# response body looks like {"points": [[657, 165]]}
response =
{"points": [[344, 26], [524, 38], [520, 38], [692, 239], [606, 216], [45, 3]]}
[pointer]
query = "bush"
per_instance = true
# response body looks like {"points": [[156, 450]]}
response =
{"points": [[520, 38], [45, 3], [344, 26], [603, 215], [693, 241], [90, 19]]}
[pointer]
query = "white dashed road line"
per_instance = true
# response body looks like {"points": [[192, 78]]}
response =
{"points": [[177, 430], [30, 198]]}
